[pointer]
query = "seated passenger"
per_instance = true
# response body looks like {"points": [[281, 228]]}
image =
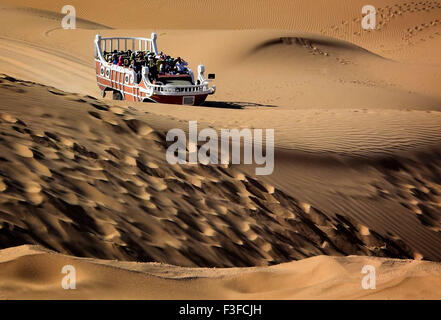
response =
{"points": [[162, 67], [181, 65], [152, 68], [134, 66], [115, 59], [158, 64], [160, 56], [171, 62]]}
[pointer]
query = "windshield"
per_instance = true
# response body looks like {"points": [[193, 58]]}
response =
{"points": [[176, 81]]}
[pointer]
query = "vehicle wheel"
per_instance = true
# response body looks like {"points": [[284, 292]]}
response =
{"points": [[148, 100], [117, 95]]}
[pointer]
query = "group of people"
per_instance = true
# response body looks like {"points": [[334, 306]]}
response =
{"points": [[159, 63]]}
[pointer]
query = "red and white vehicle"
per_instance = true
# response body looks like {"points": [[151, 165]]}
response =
{"points": [[123, 82]]}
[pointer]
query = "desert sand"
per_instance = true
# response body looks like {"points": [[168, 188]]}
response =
{"points": [[358, 161], [321, 277]]}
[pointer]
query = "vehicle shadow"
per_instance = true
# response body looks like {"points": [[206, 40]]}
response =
{"points": [[234, 105]]}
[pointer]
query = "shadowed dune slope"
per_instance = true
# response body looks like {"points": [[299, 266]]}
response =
{"points": [[82, 177]]}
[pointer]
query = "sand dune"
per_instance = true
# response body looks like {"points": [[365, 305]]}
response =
{"points": [[405, 30], [358, 165], [90, 179], [33, 272]]}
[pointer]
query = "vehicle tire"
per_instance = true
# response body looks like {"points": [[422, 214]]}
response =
{"points": [[117, 95], [148, 100]]}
